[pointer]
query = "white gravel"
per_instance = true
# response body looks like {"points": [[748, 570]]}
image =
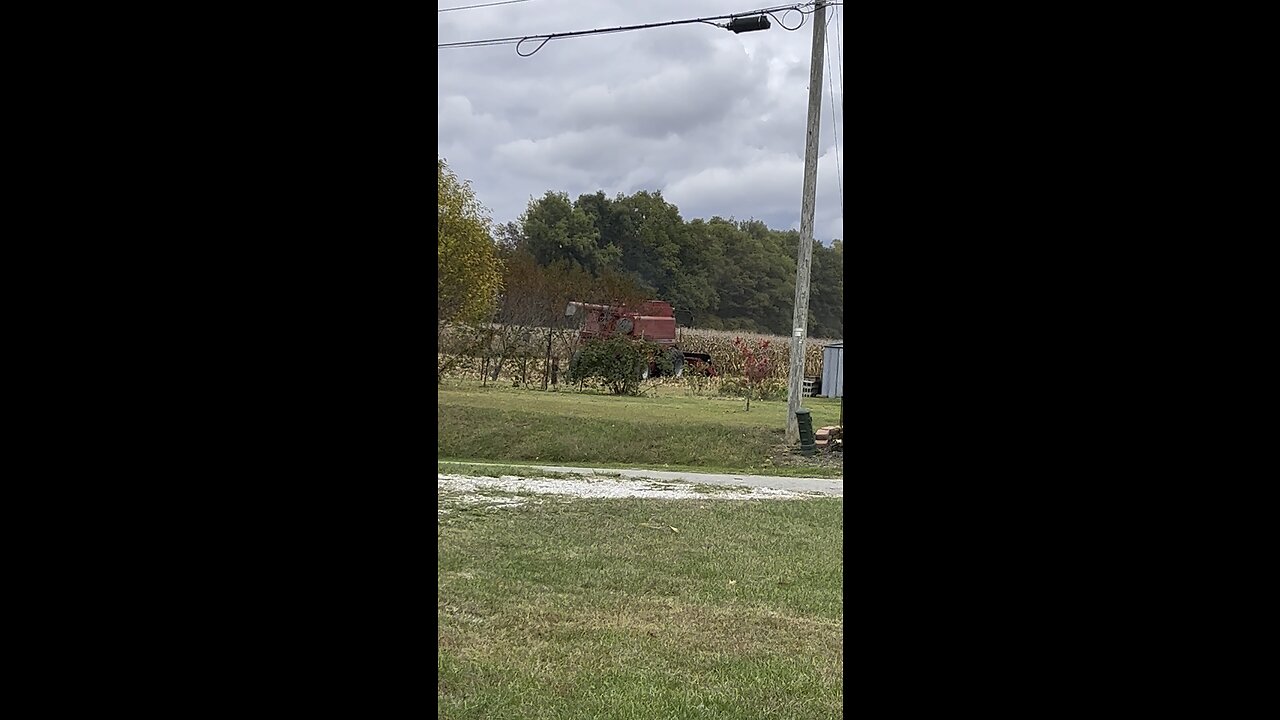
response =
{"points": [[463, 489]]}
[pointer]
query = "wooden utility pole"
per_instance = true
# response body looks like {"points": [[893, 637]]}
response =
{"points": [[800, 321]]}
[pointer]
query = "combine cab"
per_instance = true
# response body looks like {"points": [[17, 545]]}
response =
{"points": [[654, 321]]}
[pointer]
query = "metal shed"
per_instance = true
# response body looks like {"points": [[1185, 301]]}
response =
{"points": [[833, 370]]}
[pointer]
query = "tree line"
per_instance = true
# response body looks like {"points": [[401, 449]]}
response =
{"points": [[719, 274], [502, 290]]}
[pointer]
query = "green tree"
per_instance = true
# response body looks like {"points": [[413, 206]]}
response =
{"points": [[552, 230], [650, 232], [469, 271], [725, 274], [756, 279], [826, 291]]}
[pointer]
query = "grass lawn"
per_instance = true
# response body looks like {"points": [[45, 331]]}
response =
{"points": [[673, 431], [637, 609], [512, 470]]}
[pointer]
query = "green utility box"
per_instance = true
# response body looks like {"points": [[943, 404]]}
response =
{"points": [[807, 444]]}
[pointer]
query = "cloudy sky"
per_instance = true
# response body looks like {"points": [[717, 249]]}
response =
{"points": [[713, 119]]}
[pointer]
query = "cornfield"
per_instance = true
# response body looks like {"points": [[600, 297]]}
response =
{"points": [[525, 351], [725, 357]]}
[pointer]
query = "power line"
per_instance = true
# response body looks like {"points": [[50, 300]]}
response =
{"points": [[468, 7], [517, 40], [840, 50], [835, 121]]}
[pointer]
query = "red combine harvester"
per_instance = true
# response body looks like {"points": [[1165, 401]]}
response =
{"points": [[654, 321]]}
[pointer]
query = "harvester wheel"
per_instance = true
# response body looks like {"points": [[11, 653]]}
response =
{"points": [[677, 362]]}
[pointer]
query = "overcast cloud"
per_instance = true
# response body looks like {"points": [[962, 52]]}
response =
{"points": [[714, 120]]}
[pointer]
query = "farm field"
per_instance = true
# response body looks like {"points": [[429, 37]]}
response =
{"points": [[672, 431], [527, 347]]}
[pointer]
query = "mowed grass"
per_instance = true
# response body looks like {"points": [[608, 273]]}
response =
{"points": [[494, 471], [705, 434], [637, 609]]}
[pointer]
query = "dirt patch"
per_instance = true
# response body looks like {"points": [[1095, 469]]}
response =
{"points": [[789, 456]]}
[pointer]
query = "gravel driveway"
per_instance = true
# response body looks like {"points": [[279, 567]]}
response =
{"points": [[512, 491]]}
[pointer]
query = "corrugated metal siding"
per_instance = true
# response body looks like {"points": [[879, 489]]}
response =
{"points": [[833, 370]]}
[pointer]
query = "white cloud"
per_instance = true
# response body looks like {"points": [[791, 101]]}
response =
{"points": [[716, 121]]}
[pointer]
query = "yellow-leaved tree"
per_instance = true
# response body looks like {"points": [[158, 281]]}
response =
{"points": [[470, 272]]}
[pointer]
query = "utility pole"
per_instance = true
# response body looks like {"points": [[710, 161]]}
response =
{"points": [[800, 321]]}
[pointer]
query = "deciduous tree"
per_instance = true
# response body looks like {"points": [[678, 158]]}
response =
{"points": [[469, 271], [756, 364]]}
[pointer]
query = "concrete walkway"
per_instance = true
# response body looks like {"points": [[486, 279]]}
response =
{"points": [[829, 486]]}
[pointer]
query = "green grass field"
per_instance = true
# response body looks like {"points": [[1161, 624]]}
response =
{"points": [[673, 431], [636, 609]]}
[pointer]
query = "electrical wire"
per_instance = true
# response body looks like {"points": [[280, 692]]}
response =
{"points": [[519, 40], [468, 7], [840, 51], [835, 120], [784, 14]]}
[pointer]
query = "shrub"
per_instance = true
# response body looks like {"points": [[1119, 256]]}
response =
{"points": [[756, 364], [617, 362]]}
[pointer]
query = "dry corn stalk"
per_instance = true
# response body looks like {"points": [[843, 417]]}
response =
{"points": [[719, 343], [531, 343]]}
